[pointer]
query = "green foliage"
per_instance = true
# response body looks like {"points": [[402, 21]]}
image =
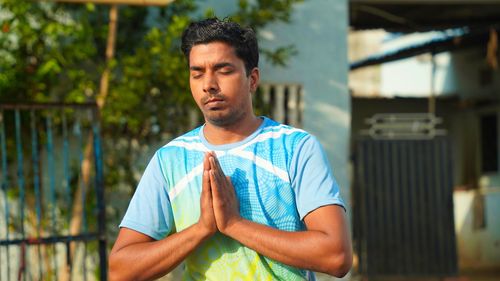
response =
{"points": [[42, 47], [56, 52]]}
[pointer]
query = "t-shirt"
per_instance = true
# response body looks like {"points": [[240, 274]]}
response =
{"points": [[279, 173]]}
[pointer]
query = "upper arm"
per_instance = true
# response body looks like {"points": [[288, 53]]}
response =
{"points": [[331, 221], [127, 236], [311, 177], [149, 211]]}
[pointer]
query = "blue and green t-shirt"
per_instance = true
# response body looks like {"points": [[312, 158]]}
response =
{"points": [[279, 173]]}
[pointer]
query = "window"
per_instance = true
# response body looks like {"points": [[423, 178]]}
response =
{"points": [[282, 102]]}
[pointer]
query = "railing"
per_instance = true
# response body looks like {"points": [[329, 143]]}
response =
{"points": [[282, 102], [52, 216]]}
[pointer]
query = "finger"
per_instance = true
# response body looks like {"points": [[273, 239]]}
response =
{"points": [[230, 186], [214, 163], [206, 184], [206, 161], [214, 183], [213, 166]]}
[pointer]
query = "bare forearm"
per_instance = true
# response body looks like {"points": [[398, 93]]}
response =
{"points": [[150, 260], [311, 249]]}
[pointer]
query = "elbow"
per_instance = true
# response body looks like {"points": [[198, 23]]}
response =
{"points": [[340, 264], [113, 270]]}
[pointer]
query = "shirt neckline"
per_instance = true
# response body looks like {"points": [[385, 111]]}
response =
{"points": [[224, 147]]}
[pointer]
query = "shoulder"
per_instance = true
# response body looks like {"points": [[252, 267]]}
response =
{"points": [[283, 133], [191, 137]]}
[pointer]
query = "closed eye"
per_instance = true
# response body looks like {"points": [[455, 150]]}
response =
{"points": [[196, 74], [226, 70]]}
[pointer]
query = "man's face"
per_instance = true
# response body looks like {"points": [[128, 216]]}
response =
{"points": [[219, 83]]}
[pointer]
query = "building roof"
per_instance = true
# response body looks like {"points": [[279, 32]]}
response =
{"points": [[422, 15]]}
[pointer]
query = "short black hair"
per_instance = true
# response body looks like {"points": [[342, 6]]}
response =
{"points": [[243, 40]]}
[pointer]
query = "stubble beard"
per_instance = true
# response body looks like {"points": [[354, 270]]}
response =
{"points": [[220, 118]]}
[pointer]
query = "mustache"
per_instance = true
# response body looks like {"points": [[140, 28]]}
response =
{"points": [[211, 97]]}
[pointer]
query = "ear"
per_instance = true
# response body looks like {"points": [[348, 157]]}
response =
{"points": [[254, 79]]}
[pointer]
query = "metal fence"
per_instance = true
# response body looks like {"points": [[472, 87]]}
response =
{"points": [[403, 208], [52, 222]]}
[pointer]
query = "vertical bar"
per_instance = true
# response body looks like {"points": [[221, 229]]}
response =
{"points": [[5, 185], [449, 219], [266, 98], [429, 209], [36, 184], [422, 207], [67, 179], [395, 174], [441, 238], [412, 197], [279, 103], [300, 102], [420, 228], [67, 186], [436, 213], [293, 105], [404, 198], [20, 180], [360, 202], [52, 196], [371, 203], [79, 135], [99, 186], [388, 207], [379, 211]]}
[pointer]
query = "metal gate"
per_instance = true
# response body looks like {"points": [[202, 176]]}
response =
{"points": [[403, 208], [52, 222]]}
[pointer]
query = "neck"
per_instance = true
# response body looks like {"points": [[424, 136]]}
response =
{"points": [[218, 135]]}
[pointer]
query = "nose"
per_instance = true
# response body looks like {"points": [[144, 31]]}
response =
{"points": [[210, 85]]}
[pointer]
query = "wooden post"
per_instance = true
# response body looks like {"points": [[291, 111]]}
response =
{"points": [[110, 52]]}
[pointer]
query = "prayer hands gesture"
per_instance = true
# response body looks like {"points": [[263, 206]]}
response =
{"points": [[219, 205]]}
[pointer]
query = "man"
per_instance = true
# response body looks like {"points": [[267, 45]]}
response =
{"points": [[239, 198]]}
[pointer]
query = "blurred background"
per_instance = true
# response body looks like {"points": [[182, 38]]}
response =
{"points": [[403, 95]]}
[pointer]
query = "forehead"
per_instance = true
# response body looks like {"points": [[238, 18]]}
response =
{"points": [[211, 53]]}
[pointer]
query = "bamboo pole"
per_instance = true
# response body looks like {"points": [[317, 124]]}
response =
{"points": [[78, 208]]}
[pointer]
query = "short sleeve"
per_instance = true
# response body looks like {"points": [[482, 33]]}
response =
{"points": [[149, 211], [312, 178]]}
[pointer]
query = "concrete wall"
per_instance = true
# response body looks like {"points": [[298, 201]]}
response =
{"points": [[478, 245]]}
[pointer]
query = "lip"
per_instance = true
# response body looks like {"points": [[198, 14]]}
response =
{"points": [[215, 100]]}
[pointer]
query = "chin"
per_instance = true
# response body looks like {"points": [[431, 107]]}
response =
{"points": [[223, 120]]}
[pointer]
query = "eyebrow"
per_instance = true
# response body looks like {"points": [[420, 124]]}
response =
{"points": [[216, 66]]}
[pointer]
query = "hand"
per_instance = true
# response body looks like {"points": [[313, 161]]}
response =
{"points": [[207, 217], [225, 203]]}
